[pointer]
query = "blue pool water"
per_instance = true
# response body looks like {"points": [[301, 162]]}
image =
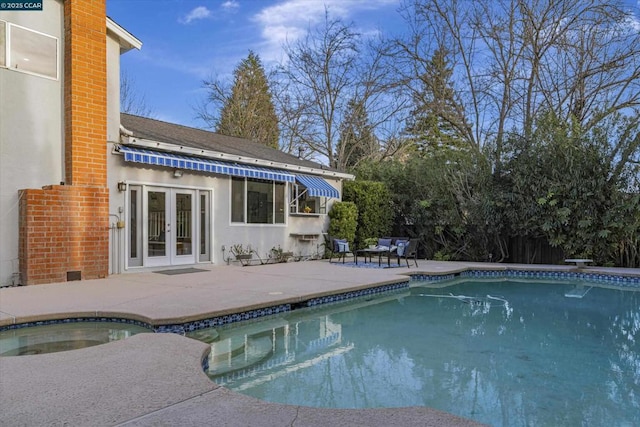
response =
{"points": [[504, 353], [63, 337]]}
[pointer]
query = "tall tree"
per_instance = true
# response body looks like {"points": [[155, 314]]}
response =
{"points": [[293, 121], [246, 108], [514, 59], [322, 73], [437, 121], [357, 141]]}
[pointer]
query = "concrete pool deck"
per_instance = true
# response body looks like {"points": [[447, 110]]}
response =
{"points": [[157, 379]]}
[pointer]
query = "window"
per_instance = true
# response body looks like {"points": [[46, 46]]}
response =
{"points": [[3, 44], [256, 201], [302, 202], [28, 51], [237, 199]]}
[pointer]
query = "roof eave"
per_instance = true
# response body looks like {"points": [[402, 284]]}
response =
{"points": [[126, 40], [173, 148]]}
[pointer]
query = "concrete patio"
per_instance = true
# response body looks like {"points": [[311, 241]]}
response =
{"points": [[157, 379]]}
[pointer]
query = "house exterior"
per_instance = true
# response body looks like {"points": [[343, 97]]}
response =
{"points": [[86, 192], [188, 195]]}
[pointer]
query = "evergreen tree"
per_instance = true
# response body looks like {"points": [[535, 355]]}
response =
{"points": [[436, 122], [249, 111], [356, 141]]}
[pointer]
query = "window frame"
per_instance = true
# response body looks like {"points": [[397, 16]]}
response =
{"points": [[6, 47], [3, 43], [275, 217], [300, 199]]}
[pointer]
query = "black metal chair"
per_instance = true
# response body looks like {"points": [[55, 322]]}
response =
{"points": [[339, 247], [410, 251]]}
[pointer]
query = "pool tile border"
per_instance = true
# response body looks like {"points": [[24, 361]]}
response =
{"points": [[617, 280], [92, 319], [328, 299], [212, 322], [601, 278], [183, 328], [278, 309]]}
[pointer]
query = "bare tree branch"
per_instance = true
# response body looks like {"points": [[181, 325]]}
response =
{"points": [[131, 100]]}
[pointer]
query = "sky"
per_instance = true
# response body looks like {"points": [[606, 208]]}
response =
{"points": [[187, 41]]}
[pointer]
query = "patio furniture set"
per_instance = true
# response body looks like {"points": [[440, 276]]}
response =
{"points": [[390, 248]]}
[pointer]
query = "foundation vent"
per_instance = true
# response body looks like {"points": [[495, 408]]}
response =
{"points": [[74, 275]]}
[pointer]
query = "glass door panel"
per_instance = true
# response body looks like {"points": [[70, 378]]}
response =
{"points": [[183, 223], [156, 223], [167, 222], [205, 227], [135, 226]]}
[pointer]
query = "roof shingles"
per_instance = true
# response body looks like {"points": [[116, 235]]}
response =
{"points": [[170, 133]]}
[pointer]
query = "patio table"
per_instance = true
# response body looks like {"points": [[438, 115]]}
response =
{"points": [[369, 252]]}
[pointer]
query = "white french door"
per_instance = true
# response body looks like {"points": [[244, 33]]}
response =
{"points": [[169, 227]]}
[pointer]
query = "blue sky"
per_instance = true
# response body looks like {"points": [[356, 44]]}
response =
{"points": [[186, 41]]}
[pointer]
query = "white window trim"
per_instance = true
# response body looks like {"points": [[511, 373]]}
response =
{"points": [[128, 267], [245, 207], [294, 201], [6, 43], [7, 49]]}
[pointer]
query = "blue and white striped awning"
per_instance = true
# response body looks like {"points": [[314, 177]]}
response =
{"points": [[317, 187], [158, 158]]}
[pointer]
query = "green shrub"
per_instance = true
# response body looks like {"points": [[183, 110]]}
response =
{"points": [[343, 218], [375, 209], [441, 256]]}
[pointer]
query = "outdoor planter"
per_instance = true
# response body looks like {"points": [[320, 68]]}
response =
{"points": [[278, 255], [245, 259]]}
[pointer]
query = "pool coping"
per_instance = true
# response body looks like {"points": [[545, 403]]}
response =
{"points": [[136, 398], [191, 323], [163, 324]]}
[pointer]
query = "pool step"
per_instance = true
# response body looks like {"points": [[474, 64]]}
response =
{"points": [[233, 354], [211, 335], [208, 335], [255, 327]]}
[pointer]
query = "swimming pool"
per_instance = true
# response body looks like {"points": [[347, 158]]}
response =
{"points": [[55, 337], [502, 352]]}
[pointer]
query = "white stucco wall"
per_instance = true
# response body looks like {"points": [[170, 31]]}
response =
{"points": [[113, 88], [261, 237], [31, 131], [113, 135]]}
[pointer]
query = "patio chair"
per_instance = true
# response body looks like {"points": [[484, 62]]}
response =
{"points": [[409, 250], [339, 247]]}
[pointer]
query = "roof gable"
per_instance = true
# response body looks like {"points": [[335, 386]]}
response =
{"points": [[126, 40]]}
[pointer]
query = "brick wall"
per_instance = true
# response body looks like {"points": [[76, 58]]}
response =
{"points": [[64, 229]]}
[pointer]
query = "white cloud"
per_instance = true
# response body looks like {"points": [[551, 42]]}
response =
{"points": [[230, 5], [200, 12], [290, 20]]}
